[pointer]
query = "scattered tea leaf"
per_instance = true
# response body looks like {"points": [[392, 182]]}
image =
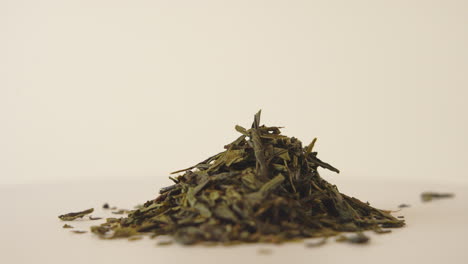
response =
{"points": [[358, 238], [94, 218], [319, 243], [79, 231], [73, 216], [429, 196], [404, 205], [67, 226], [165, 242]]}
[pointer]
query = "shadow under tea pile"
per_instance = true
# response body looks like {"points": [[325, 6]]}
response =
{"points": [[264, 187]]}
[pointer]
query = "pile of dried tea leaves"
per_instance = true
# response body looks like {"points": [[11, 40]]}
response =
{"points": [[264, 187]]}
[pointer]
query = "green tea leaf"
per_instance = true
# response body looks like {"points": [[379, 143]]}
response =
{"points": [[79, 231], [429, 196], [75, 215]]}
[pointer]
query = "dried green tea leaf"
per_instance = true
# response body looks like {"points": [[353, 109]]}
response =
{"points": [[319, 243], [311, 146], [404, 205], [429, 196], [79, 231], [224, 212], [73, 216], [166, 189], [379, 230], [94, 218], [165, 242], [67, 226], [120, 212], [242, 130], [358, 238], [125, 232], [112, 220], [272, 184], [105, 206]]}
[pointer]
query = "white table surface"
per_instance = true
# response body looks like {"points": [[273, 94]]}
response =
{"points": [[436, 232]]}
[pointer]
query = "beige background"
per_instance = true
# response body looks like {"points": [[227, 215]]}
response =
{"points": [[128, 90]]}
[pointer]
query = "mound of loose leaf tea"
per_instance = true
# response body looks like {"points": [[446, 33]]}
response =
{"points": [[264, 187]]}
